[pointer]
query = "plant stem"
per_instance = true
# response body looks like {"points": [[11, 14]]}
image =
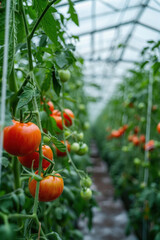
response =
{"points": [[16, 172], [40, 18]]}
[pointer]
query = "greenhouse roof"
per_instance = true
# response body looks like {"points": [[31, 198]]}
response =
{"points": [[111, 36]]}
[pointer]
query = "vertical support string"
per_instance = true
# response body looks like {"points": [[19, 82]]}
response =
{"points": [[146, 153], [4, 79]]}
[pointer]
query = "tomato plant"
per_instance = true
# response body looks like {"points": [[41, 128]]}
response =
{"points": [[44, 82]]}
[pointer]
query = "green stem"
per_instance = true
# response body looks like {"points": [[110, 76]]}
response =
{"points": [[40, 18], [16, 173]]}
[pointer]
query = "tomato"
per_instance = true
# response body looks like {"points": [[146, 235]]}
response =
{"points": [[80, 136], [81, 107], [64, 75], [135, 140], [58, 120], [51, 106], [75, 147], [130, 137], [51, 187], [68, 117], [86, 125], [141, 105], [28, 159], [21, 139], [62, 154], [137, 161], [154, 108], [83, 149], [149, 145], [136, 129], [86, 194], [56, 112], [142, 138], [46, 140], [158, 127], [115, 133], [86, 182]]}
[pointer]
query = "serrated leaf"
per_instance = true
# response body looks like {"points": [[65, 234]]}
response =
{"points": [[52, 126], [61, 60], [56, 82], [48, 22], [25, 97], [58, 144], [72, 12]]}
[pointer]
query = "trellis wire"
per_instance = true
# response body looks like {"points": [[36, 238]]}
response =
{"points": [[146, 154], [4, 79]]}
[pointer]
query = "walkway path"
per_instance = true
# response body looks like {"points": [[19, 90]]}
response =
{"points": [[110, 220]]}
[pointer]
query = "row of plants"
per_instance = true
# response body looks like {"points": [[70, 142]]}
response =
{"points": [[45, 189], [130, 131]]}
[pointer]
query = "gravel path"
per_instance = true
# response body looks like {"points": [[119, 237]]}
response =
{"points": [[110, 220]]}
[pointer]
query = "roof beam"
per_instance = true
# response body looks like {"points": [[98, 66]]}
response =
{"points": [[109, 5], [111, 12], [66, 4], [110, 60], [105, 28], [133, 27], [149, 27]]}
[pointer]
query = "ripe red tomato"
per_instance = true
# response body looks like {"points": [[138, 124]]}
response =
{"points": [[68, 117], [130, 137], [62, 154], [21, 139], [136, 129], [58, 120], [142, 138], [158, 127], [51, 187], [115, 133], [135, 140], [28, 159], [149, 145], [56, 112], [51, 106]]}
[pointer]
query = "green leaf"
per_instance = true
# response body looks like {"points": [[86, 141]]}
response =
{"points": [[72, 12], [5, 162], [58, 144], [20, 31], [46, 83], [26, 96], [56, 82], [48, 22], [52, 126], [61, 60], [157, 236]]}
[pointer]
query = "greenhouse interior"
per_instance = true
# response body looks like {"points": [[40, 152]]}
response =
{"points": [[79, 120]]}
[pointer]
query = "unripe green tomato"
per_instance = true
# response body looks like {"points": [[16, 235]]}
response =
{"points": [[46, 140], [143, 120], [86, 182], [137, 161], [86, 125], [141, 105], [83, 149], [80, 136], [125, 149], [86, 194], [142, 185], [75, 147], [81, 107], [78, 83], [67, 133], [64, 75]]}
